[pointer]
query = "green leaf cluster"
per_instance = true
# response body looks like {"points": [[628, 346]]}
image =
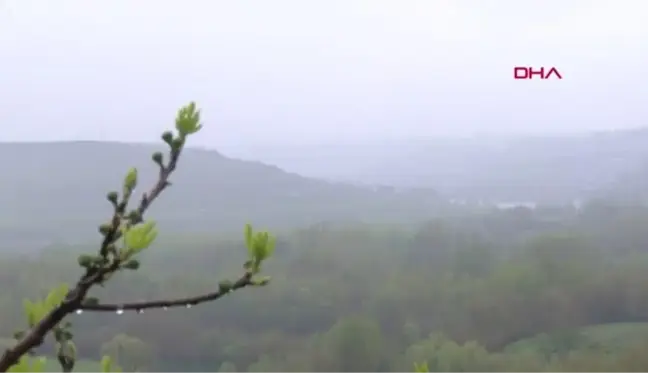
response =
{"points": [[260, 246], [188, 120]]}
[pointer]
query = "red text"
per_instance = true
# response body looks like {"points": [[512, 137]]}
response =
{"points": [[520, 72]]}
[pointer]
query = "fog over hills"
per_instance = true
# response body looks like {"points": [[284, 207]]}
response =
{"points": [[60, 187], [397, 182], [555, 168]]}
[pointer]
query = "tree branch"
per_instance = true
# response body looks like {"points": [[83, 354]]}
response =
{"points": [[35, 336], [181, 302], [112, 259]]}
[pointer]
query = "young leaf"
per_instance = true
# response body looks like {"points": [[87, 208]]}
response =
{"points": [[38, 365], [21, 366], [39, 311], [270, 246], [56, 296], [260, 243], [188, 120], [263, 245], [139, 237], [248, 233], [29, 308]]}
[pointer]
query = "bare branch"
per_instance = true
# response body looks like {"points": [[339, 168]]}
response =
{"points": [[162, 183], [181, 302]]}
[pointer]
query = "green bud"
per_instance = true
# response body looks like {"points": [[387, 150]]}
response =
{"points": [[67, 335], [130, 181], [158, 158], [90, 301], [177, 143], [167, 137], [66, 352], [85, 260], [263, 281], [225, 286], [132, 264], [134, 216], [113, 197], [105, 229]]}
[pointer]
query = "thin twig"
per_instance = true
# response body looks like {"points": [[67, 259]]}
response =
{"points": [[181, 302]]}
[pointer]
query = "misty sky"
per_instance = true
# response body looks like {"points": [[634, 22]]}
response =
{"points": [[282, 71]]}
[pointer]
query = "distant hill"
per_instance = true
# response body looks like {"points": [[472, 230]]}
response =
{"points": [[57, 191], [540, 168]]}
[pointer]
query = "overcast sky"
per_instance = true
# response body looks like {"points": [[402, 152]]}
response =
{"points": [[291, 71]]}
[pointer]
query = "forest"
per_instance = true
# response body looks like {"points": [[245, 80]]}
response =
{"points": [[550, 288], [516, 290]]}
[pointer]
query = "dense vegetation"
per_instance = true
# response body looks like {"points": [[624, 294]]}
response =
{"points": [[515, 290]]}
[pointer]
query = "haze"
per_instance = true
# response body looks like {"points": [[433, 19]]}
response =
{"points": [[299, 72]]}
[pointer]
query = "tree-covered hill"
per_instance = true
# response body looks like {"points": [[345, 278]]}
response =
{"points": [[57, 190], [457, 293]]}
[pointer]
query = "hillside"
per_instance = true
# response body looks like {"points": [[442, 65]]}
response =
{"points": [[56, 190]]}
